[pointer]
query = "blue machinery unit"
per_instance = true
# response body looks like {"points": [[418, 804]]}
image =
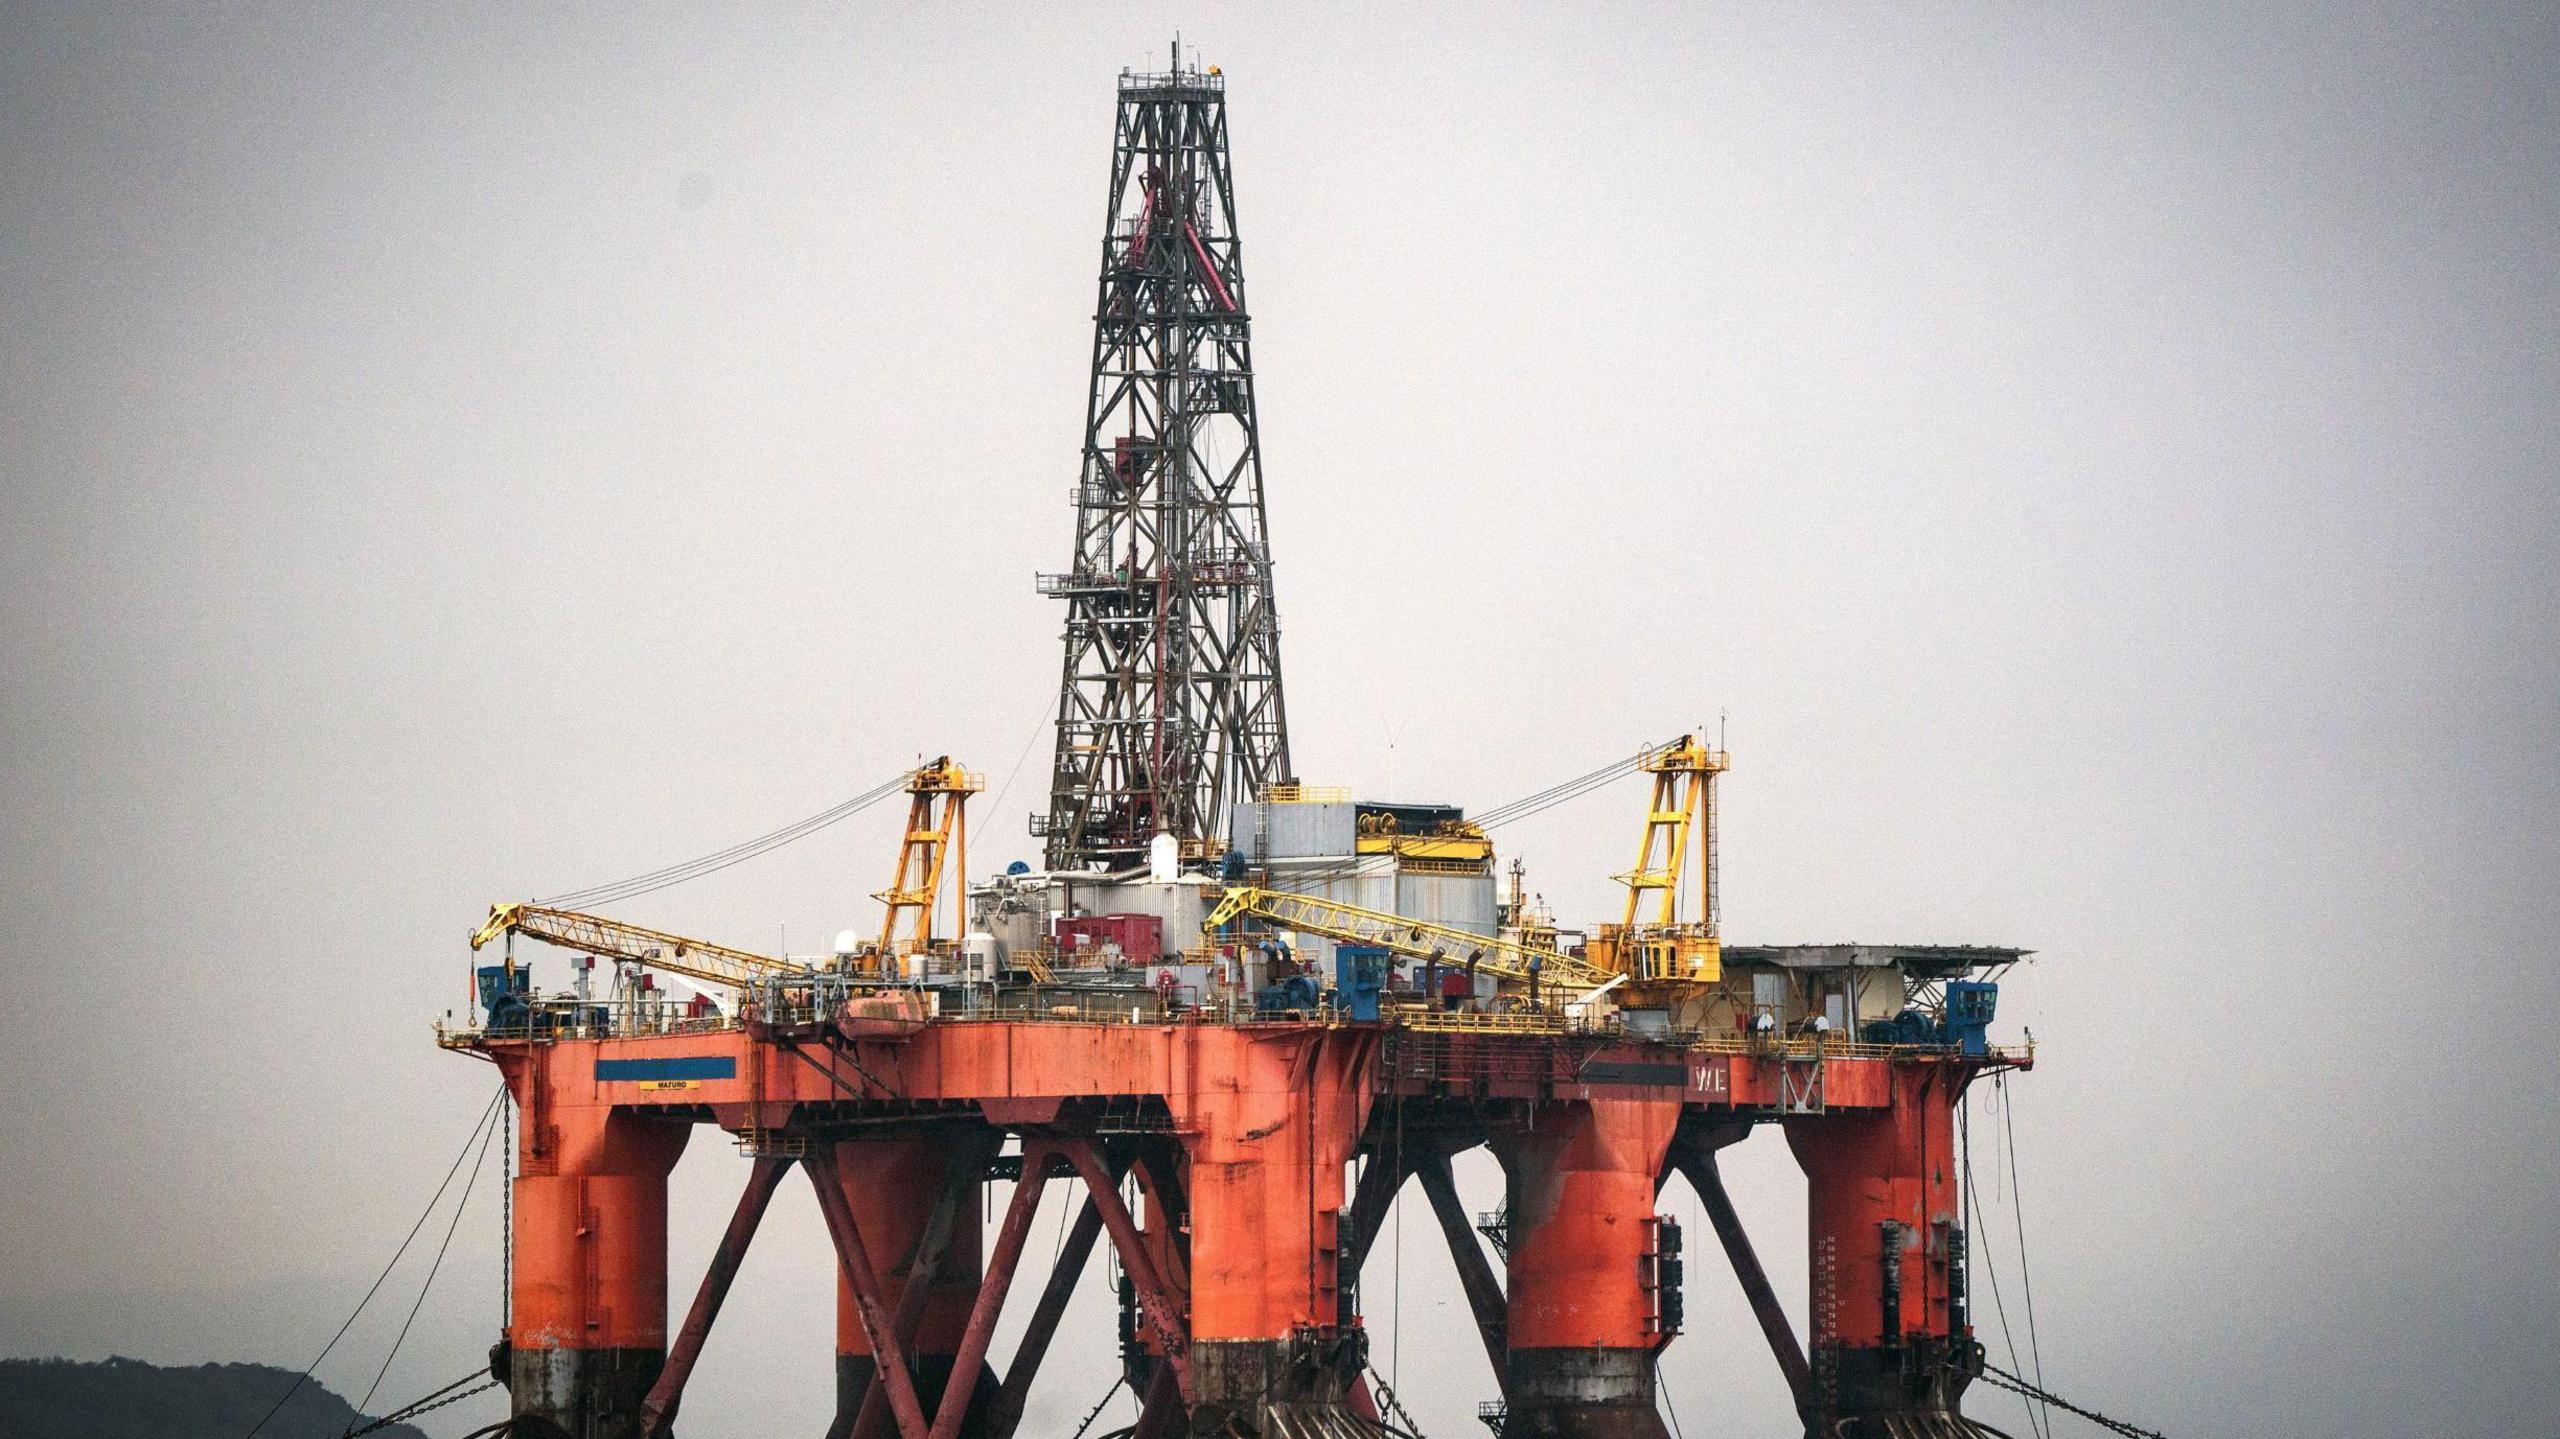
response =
{"points": [[1360, 978], [1970, 1003], [1966, 1027]]}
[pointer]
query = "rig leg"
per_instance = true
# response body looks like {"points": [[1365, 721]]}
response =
{"points": [[1695, 1156], [915, 1197], [1892, 1348], [659, 1410], [1266, 1146], [1583, 1328], [589, 1328]]}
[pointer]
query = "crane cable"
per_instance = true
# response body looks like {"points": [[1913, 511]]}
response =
{"points": [[1570, 790], [636, 885], [2031, 1390], [1495, 818], [468, 1145]]}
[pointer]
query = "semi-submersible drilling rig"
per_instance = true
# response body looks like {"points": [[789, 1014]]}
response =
{"points": [[1222, 996]]}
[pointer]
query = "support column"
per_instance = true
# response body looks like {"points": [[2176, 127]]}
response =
{"points": [[1581, 1324], [892, 1185], [1268, 1122], [588, 1329], [1891, 1352]]}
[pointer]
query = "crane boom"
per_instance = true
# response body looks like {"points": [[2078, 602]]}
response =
{"points": [[613, 939], [1413, 938]]}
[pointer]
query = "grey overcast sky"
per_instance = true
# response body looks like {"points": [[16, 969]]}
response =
{"points": [[2099, 459]]}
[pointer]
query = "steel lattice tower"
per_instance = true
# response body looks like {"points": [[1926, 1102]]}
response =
{"points": [[1169, 708]]}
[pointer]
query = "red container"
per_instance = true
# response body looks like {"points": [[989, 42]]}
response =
{"points": [[1140, 936]]}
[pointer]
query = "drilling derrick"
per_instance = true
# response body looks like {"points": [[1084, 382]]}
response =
{"points": [[1169, 707]]}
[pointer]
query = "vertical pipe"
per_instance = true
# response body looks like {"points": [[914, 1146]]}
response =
{"points": [[1892, 1283]]}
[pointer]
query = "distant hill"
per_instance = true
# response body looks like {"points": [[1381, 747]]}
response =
{"points": [[128, 1399]]}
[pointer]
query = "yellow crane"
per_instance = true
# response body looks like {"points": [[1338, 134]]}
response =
{"points": [[929, 839], [1559, 974], [612, 939], [1665, 946]]}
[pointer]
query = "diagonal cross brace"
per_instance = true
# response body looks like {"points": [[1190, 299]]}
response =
{"points": [[1475, 1275], [924, 1264], [658, 1411], [889, 1357], [1162, 1313], [981, 1329], [1043, 1326], [1696, 1158]]}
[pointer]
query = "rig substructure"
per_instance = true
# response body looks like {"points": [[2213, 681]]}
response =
{"points": [[1236, 1014]]}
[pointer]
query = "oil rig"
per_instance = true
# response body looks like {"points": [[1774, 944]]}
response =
{"points": [[1233, 1014]]}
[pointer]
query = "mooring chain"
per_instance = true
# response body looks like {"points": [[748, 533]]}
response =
{"points": [[1096, 1411], [1395, 1406], [1996, 1375], [399, 1416]]}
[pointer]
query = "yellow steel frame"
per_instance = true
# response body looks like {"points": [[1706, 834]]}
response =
{"points": [[1560, 973], [1684, 775], [928, 840], [1665, 946], [612, 939]]}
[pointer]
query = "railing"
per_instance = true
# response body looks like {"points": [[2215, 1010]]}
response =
{"points": [[1078, 582], [1305, 794], [565, 1017], [1208, 79], [820, 998], [1460, 1021]]}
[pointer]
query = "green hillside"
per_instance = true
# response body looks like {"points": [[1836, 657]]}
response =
{"points": [[128, 1399]]}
